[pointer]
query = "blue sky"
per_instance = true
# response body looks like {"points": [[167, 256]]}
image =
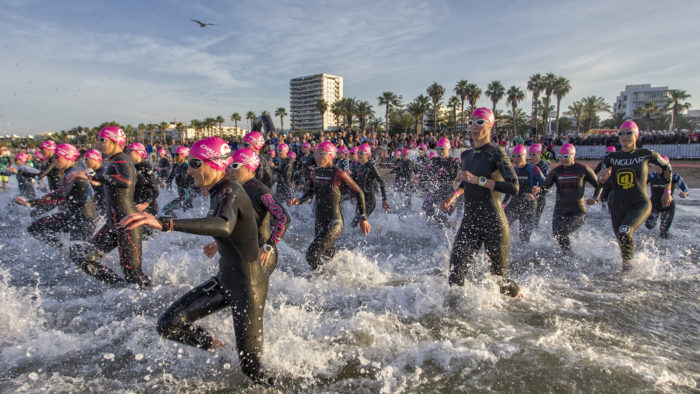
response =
{"points": [[69, 63]]}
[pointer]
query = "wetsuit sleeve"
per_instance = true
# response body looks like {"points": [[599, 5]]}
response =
{"points": [[360, 195], [150, 186], [539, 177], [28, 171], [282, 220], [120, 179], [510, 183], [56, 196], [656, 158], [680, 182], [549, 182], [598, 167], [288, 174], [604, 164], [172, 173], [591, 178], [309, 191], [47, 170], [380, 180], [219, 226]]}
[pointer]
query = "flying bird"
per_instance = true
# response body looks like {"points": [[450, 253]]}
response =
{"points": [[202, 24]]}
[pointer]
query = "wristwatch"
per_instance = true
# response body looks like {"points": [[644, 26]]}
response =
{"points": [[268, 248], [482, 181], [166, 222]]}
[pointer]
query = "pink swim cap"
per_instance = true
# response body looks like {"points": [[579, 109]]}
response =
{"points": [[536, 148], [283, 147], [354, 150], [343, 149], [21, 156], [162, 151], [397, 153], [213, 151], [292, 155], [49, 145], [431, 155], [67, 151], [114, 134], [519, 150], [484, 113], [567, 149], [247, 157], [273, 153], [182, 151], [610, 149], [328, 147], [629, 125], [139, 148], [94, 154], [404, 151], [306, 145], [365, 148], [40, 155], [444, 143], [423, 146], [255, 140]]}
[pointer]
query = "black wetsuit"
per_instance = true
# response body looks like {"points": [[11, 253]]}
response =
{"points": [[438, 180], [184, 184], [52, 174], [303, 172], [163, 167], [629, 203], [325, 184], [76, 213], [146, 187], [119, 182], [271, 217], [24, 176], [484, 221], [285, 187], [543, 165], [569, 208], [367, 177], [240, 283], [523, 206], [658, 185], [99, 196], [264, 171], [607, 187], [421, 163], [404, 170]]}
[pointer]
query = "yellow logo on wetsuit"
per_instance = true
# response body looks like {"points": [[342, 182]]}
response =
{"points": [[625, 179]]}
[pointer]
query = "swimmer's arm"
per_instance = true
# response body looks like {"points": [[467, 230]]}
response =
{"points": [[680, 182], [308, 192], [380, 180], [591, 178], [47, 170], [510, 183], [281, 219], [664, 164], [549, 182], [359, 194], [122, 178], [219, 226]]}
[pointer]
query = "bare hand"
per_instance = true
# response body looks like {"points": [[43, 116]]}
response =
{"points": [[21, 201], [666, 200], [603, 175], [210, 249], [134, 220], [141, 207], [447, 204], [12, 170], [365, 227], [264, 257], [386, 206], [470, 178], [591, 201], [530, 196], [683, 194], [535, 189], [95, 183], [294, 201]]}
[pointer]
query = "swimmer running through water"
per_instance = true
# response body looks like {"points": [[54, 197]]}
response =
{"points": [[240, 284]]}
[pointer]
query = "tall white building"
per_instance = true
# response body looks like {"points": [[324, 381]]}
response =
{"points": [[634, 97], [304, 93]]}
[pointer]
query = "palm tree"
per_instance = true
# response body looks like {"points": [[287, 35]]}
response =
{"points": [[495, 92], [616, 120], [235, 117], [473, 94], [388, 99], [322, 107], [418, 107], [674, 101], [363, 111], [549, 83], [435, 91], [161, 131], [180, 133], [576, 111], [515, 95], [648, 112], [561, 89], [461, 91], [250, 116], [516, 117], [151, 128], [337, 111], [220, 121], [281, 112], [454, 102], [210, 126], [592, 105], [535, 85]]}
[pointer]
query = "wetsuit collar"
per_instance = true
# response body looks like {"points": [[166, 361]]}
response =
{"points": [[218, 185]]}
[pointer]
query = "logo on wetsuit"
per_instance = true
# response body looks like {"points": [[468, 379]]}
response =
{"points": [[277, 212], [625, 178]]}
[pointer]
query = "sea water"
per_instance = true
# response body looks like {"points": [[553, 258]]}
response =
{"points": [[379, 317]]}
